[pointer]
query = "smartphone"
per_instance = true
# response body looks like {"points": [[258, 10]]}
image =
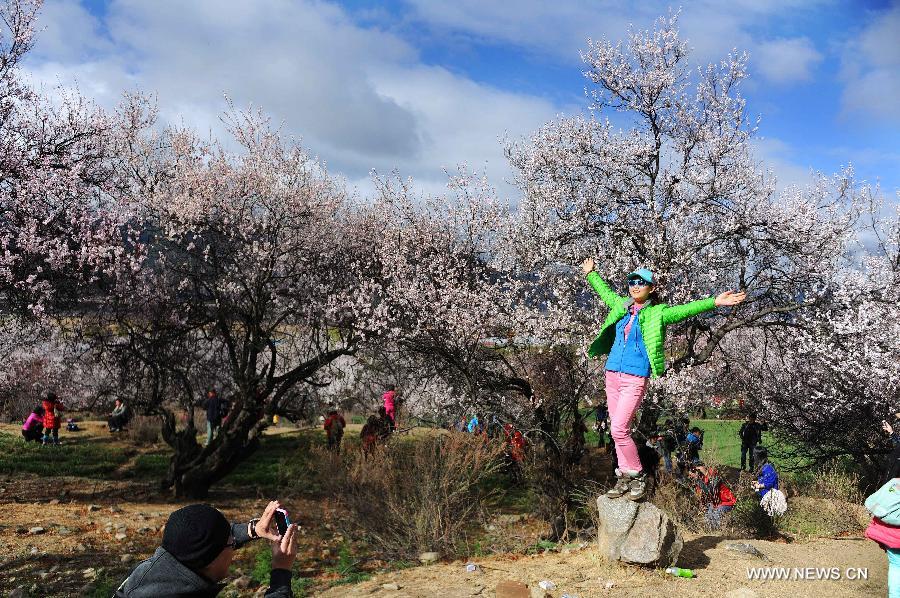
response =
{"points": [[282, 521]]}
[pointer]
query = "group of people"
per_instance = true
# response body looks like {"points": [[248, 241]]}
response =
{"points": [[43, 423], [377, 429]]}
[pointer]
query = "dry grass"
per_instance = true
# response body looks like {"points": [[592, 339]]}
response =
{"points": [[143, 429], [417, 496]]}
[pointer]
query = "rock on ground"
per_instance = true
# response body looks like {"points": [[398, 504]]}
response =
{"points": [[637, 532]]}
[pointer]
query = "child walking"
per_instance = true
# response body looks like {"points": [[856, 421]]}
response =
{"points": [[632, 335]]}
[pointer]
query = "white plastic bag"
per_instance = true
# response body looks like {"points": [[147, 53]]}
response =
{"points": [[774, 503]]}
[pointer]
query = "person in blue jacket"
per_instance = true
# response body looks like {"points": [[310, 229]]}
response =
{"points": [[767, 478], [474, 425]]}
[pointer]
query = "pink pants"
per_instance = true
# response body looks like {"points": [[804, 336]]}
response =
{"points": [[623, 397]]}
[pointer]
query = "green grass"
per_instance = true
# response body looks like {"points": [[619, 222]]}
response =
{"points": [[151, 465], [347, 568], [722, 445], [89, 458], [281, 461]]}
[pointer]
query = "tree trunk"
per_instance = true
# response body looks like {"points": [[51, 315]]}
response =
{"points": [[194, 469]]}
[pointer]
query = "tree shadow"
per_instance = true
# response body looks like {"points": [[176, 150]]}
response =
{"points": [[693, 554]]}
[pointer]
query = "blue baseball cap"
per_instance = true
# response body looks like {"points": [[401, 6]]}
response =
{"points": [[644, 274]]}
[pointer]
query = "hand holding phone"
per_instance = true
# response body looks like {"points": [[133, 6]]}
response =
{"points": [[264, 527]]}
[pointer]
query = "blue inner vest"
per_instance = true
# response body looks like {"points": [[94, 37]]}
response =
{"points": [[629, 355]]}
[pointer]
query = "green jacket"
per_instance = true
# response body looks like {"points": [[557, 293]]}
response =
{"points": [[653, 320]]}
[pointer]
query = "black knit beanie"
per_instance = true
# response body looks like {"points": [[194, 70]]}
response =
{"points": [[195, 535]]}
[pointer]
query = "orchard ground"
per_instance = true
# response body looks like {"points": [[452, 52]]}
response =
{"points": [[75, 519]]}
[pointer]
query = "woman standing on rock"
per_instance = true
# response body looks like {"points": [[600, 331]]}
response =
{"points": [[632, 335]]}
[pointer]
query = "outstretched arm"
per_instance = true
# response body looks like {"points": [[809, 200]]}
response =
{"points": [[677, 313], [608, 296]]}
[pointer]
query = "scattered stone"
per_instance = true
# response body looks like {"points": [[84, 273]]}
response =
{"points": [[36, 530], [429, 557], [637, 533], [21, 530], [19, 592], [243, 582], [93, 508], [512, 589], [54, 568], [63, 531], [43, 574], [547, 585], [145, 530], [477, 590], [392, 587], [746, 549], [115, 509], [741, 593], [126, 558], [609, 585], [121, 527], [34, 550], [90, 572], [80, 547], [55, 501], [121, 536]]}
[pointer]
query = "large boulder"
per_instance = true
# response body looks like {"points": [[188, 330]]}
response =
{"points": [[637, 532]]}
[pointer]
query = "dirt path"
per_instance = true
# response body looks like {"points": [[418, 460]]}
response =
{"points": [[584, 574]]}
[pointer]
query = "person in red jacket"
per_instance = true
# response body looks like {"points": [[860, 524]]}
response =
{"points": [[334, 429], [52, 407], [714, 493]]}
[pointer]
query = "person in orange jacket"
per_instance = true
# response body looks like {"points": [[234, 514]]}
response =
{"points": [[52, 406]]}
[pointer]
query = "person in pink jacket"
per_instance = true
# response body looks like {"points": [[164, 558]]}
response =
{"points": [[390, 400], [33, 427]]}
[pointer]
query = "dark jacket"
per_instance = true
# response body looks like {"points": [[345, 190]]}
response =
{"points": [[216, 409], [751, 433], [163, 576], [893, 459]]}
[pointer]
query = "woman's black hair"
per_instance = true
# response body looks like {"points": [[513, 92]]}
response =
{"points": [[760, 454]]}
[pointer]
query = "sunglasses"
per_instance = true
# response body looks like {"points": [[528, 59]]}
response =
{"points": [[637, 282]]}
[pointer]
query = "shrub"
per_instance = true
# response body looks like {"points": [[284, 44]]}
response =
{"points": [[143, 429], [831, 481], [415, 496], [680, 503]]}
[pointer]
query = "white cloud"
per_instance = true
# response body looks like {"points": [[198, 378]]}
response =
{"points": [[359, 97], [871, 68], [786, 60], [713, 28], [779, 157]]}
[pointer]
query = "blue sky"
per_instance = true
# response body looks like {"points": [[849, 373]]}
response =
{"points": [[419, 86]]}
